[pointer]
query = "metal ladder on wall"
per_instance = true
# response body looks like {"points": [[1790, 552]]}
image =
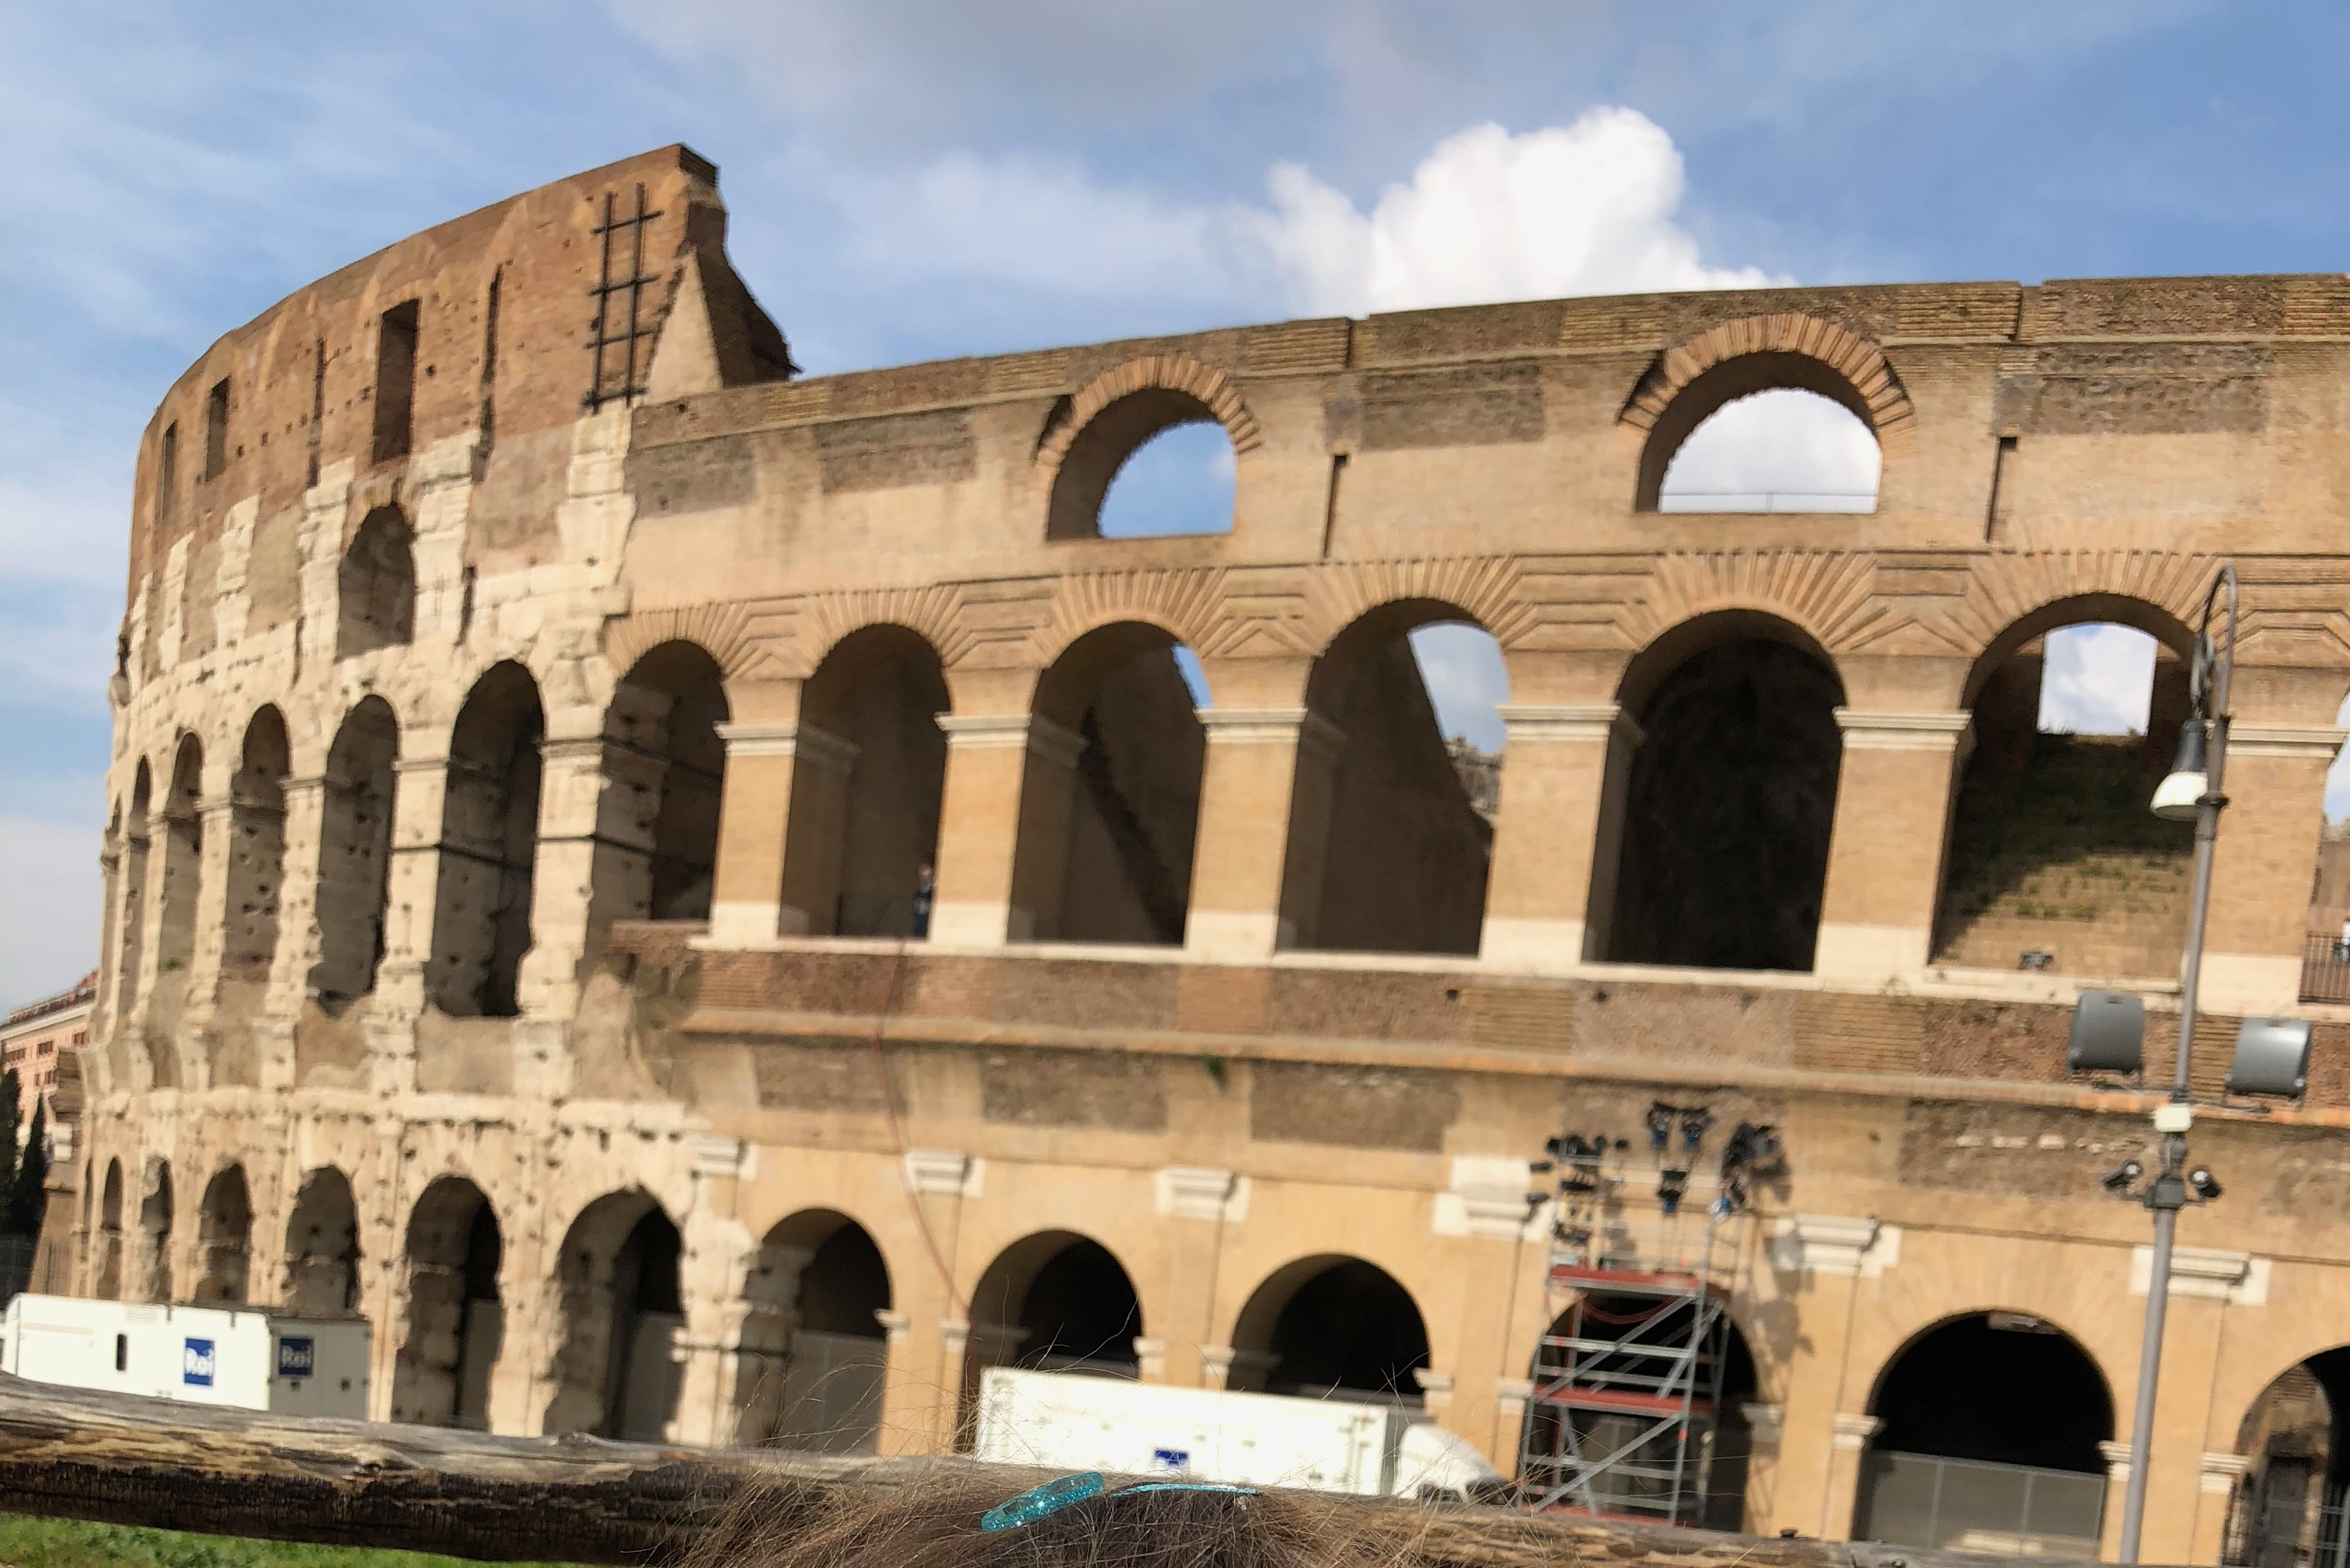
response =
{"points": [[1625, 1388]]}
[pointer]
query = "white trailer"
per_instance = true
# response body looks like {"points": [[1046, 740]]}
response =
{"points": [[1071, 1421], [246, 1358]]}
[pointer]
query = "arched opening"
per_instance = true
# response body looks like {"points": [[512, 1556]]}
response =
{"points": [[1782, 449], [134, 899], [322, 1247], [868, 774], [184, 867], [1638, 1410], [1155, 462], [1990, 1440], [1408, 784], [1178, 482], [456, 1323], [224, 1240], [1110, 793], [256, 861], [489, 847], [155, 1213], [355, 854], [2293, 1506], [1053, 1301], [377, 585], [1784, 418], [1331, 1327], [665, 771], [814, 1356], [1724, 810], [2056, 861], [106, 1274], [616, 1371]]}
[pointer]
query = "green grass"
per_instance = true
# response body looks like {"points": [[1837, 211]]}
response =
{"points": [[29, 1542]]}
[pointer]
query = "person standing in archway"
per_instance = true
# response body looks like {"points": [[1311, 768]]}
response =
{"points": [[926, 891]]}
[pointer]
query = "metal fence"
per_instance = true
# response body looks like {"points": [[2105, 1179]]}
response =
{"points": [[2275, 1524], [2325, 970], [1973, 1505]]}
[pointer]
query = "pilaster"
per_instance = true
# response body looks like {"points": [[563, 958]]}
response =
{"points": [[1557, 840], [1894, 794]]}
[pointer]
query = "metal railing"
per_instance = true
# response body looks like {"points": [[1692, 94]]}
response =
{"points": [[1977, 1505], [2325, 970]]}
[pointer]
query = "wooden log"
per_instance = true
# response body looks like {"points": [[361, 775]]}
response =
{"points": [[120, 1460]]}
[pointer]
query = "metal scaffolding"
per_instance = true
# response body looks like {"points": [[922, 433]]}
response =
{"points": [[1626, 1388]]}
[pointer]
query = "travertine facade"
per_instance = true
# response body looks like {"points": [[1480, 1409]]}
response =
{"points": [[537, 707]]}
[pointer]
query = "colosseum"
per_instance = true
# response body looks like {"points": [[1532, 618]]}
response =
{"points": [[540, 711]]}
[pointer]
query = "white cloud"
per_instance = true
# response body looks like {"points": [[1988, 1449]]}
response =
{"points": [[1586, 208], [2096, 680]]}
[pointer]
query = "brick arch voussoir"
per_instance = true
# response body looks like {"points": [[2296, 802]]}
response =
{"points": [[827, 621], [724, 631], [1861, 363], [1168, 372]]}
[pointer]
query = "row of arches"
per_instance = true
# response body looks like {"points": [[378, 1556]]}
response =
{"points": [[1714, 849]]}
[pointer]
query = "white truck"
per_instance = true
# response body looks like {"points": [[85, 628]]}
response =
{"points": [[1073, 1421], [246, 1358]]}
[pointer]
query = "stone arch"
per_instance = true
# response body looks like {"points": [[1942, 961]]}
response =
{"points": [[665, 773], [614, 1371], [2288, 1507], [151, 1280], [1702, 866], [136, 828], [814, 1357], [1690, 381], [1089, 436], [1110, 793], [1328, 1323], [869, 777], [184, 863], [223, 1239], [322, 1247], [375, 585], [106, 1271], [2050, 847], [1054, 1300], [456, 1320], [2001, 1388], [1377, 772], [355, 854], [488, 852], [256, 861]]}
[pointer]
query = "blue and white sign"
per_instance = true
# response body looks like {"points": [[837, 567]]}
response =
{"points": [[196, 1364], [297, 1357]]}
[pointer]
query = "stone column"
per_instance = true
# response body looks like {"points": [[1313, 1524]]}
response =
{"points": [[2222, 1473], [220, 825], [1003, 827], [747, 886], [1264, 826], [1199, 1204], [909, 1419], [1852, 1436], [586, 824], [1820, 1260], [1222, 1366], [1553, 884], [814, 830], [2275, 786], [1763, 1425], [1885, 857], [411, 882]]}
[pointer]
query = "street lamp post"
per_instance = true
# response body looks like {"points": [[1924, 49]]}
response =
{"points": [[2192, 791]]}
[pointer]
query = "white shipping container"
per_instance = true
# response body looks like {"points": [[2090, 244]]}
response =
{"points": [[246, 1358], [1069, 1421]]}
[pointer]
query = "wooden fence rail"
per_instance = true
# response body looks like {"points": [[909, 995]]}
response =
{"points": [[120, 1460]]}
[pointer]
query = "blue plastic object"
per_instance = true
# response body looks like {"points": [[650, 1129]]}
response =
{"points": [[1044, 1501]]}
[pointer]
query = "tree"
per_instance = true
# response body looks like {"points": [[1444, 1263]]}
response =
{"points": [[29, 1202]]}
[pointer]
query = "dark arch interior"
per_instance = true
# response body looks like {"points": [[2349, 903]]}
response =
{"points": [[377, 585], [322, 1247], [647, 1310], [1728, 808], [257, 849], [2289, 1507], [489, 847], [1078, 1310], [664, 750], [155, 1212], [1348, 1326], [1107, 836], [2009, 1390], [814, 1356], [456, 1323], [868, 781], [845, 1285], [355, 854], [224, 1235]]}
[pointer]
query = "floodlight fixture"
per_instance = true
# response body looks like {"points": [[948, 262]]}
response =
{"points": [[2123, 1177], [2202, 1183], [2108, 1033], [2181, 794], [2272, 1058]]}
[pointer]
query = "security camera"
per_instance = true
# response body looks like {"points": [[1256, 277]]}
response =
{"points": [[2205, 1185], [2120, 1177]]}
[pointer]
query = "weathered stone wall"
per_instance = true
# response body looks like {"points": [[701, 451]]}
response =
{"points": [[738, 603]]}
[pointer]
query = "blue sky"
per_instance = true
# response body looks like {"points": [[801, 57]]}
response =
{"points": [[924, 178]]}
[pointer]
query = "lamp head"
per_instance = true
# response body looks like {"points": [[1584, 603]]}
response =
{"points": [[2177, 797]]}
